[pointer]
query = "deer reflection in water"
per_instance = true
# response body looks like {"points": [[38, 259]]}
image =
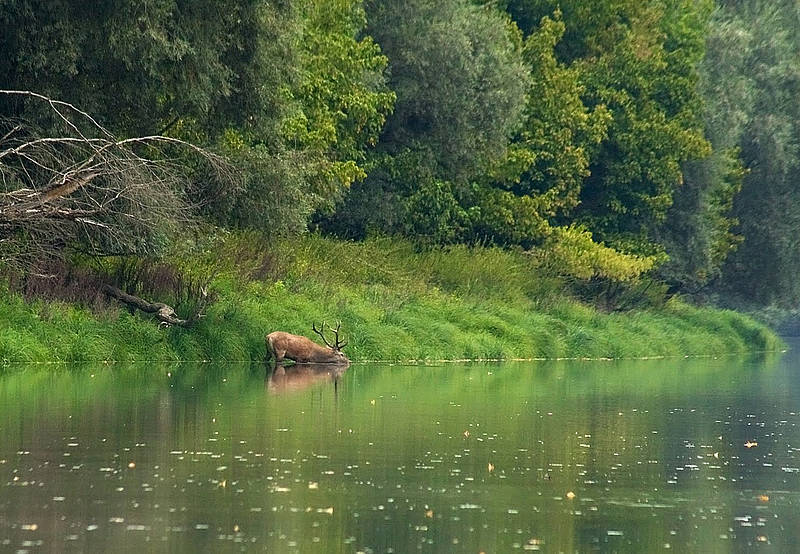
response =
{"points": [[286, 379]]}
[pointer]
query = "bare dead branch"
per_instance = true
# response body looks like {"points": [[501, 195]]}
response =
{"points": [[86, 189], [55, 104]]}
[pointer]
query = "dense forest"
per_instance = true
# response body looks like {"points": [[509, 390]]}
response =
{"points": [[633, 147]]}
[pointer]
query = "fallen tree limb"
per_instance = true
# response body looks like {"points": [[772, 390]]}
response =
{"points": [[162, 311]]}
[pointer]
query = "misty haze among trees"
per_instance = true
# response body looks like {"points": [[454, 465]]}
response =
{"points": [[633, 142]]}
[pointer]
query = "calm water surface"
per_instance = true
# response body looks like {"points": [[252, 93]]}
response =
{"points": [[695, 455]]}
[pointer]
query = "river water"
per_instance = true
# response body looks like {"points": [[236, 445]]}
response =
{"points": [[697, 455]]}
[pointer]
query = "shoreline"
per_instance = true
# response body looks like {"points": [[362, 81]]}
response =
{"points": [[395, 304]]}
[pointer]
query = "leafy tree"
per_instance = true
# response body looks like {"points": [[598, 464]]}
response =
{"points": [[141, 67], [291, 90], [460, 80], [570, 251], [698, 232], [638, 60], [343, 98], [761, 81], [647, 80], [539, 180], [333, 110]]}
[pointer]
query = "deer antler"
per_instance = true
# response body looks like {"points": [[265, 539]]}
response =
{"points": [[317, 331], [339, 345]]}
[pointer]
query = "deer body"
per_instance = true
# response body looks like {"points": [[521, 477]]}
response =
{"points": [[303, 350]]}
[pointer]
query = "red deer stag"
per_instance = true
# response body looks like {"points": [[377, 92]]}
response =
{"points": [[303, 350]]}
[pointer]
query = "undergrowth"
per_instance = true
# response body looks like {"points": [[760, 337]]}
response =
{"points": [[394, 302]]}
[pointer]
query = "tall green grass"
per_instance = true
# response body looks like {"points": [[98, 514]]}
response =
{"points": [[394, 302]]}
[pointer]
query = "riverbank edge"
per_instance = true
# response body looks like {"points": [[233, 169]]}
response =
{"points": [[395, 305]]}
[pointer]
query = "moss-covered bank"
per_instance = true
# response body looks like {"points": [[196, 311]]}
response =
{"points": [[394, 304]]}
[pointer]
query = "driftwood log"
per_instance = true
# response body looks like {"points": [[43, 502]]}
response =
{"points": [[166, 314]]}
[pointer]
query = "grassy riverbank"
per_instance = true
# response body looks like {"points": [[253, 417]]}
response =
{"points": [[394, 304]]}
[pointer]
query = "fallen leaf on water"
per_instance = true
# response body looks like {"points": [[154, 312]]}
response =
{"points": [[763, 498], [429, 513], [570, 495], [750, 444], [235, 528], [313, 485]]}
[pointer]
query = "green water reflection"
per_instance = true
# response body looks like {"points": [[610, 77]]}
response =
{"points": [[403, 459]]}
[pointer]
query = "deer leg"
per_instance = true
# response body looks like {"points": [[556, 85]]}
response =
{"points": [[277, 353]]}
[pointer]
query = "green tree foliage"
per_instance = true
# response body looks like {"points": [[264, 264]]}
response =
{"points": [[539, 180], [647, 80], [292, 91], [273, 197], [248, 126], [333, 108], [140, 67], [610, 137], [638, 60], [460, 79], [570, 251], [698, 232], [758, 47], [343, 99]]}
